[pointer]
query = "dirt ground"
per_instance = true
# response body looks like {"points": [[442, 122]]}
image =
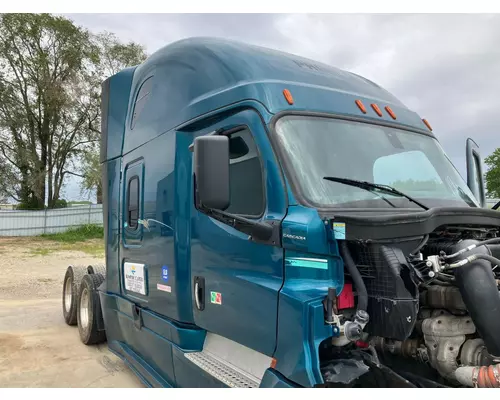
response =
{"points": [[37, 348]]}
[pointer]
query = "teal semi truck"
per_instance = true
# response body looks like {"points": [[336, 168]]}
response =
{"points": [[272, 221]]}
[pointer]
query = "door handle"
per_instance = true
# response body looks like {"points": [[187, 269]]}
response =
{"points": [[199, 292]]}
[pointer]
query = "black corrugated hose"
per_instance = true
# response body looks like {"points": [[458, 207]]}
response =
{"points": [[359, 284]]}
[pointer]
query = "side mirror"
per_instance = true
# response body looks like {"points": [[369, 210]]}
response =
{"points": [[211, 169], [475, 172]]}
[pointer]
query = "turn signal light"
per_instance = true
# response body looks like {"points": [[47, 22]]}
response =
{"points": [[377, 110], [361, 106], [288, 96], [390, 112]]}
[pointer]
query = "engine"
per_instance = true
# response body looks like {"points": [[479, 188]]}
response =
{"points": [[430, 305]]}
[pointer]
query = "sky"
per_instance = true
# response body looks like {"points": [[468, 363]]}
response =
{"points": [[443, 66]]}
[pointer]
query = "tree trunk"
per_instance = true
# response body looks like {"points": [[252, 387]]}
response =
{"points": [[99, 194]]}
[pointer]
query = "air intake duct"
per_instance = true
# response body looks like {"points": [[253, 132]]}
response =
{"points": [[480, 294]]}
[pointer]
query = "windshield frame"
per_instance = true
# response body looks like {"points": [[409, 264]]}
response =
{"points": [[292, 178]]}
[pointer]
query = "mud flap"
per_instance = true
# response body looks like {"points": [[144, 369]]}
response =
{"points": [[98, 311]]}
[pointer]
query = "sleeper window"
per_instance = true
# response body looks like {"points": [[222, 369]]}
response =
{"points": [[246, 176], [141, 100]]}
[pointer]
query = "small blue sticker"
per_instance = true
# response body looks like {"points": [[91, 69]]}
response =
{"points": [[164, 273], [339, 230]]}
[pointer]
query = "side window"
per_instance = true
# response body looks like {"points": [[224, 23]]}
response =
{"points": [[246, 175], [140, 100], [133, 202]]}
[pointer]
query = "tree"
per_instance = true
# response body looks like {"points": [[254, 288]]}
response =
{"points": [[50, 79], [45, 65], [114, 56], [91, 174], [492, 176]]}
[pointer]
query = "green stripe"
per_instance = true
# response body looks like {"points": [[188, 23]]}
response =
{"points": [[307, 263]]}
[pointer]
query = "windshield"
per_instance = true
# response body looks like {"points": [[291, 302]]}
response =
{"points": [[413, 163]]}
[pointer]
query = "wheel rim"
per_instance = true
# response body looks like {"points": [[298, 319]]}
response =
{"points": [[84, 308], [68, 294]]}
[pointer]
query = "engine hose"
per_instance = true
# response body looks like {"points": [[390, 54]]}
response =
{"points": [[359, 284], [479, 291], [419, 247], [473, 246], [495, 250], [487, 257], [481, 377]]}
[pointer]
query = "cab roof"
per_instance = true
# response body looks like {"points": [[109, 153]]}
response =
{"points": [[221, 64], [196, 76]]}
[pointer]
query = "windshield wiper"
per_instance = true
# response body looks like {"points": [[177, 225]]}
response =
{"points": [[374, 186]]}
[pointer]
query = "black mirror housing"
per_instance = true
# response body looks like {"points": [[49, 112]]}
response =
{"points": [[211, 169], [475, 179]]}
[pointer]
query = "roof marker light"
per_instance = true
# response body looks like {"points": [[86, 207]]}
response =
{"points": [[361, 106], [273, 363], [377, 110], [288, 96], [390, 112], [427, 124]]}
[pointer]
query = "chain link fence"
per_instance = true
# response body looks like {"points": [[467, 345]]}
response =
{"points": [[34, 223]]}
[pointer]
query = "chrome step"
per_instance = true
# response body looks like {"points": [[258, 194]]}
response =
{"points": [[222, 370]]}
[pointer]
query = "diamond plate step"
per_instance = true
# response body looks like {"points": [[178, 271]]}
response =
{"points": [[223, 371]]}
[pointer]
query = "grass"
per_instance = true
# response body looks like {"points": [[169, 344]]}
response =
{"points": [[41, 251], [79, 234], [87, 238]]}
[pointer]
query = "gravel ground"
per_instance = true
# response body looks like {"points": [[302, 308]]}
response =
{"points": [[37, 348]]}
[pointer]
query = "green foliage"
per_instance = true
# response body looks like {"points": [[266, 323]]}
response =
{"points": [[79, 234], [91, 172], [60, 203], [78, 203], [31, 204], [28, 204], [44, 69], [114, 56], [492, 176], [50, 83]]}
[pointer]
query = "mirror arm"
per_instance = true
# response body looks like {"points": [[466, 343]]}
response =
{"points": [[257, 229], [496, 206], [221, 131]]}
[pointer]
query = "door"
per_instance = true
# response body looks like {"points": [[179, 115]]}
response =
{"points": [[236, 280], [133, 270]]}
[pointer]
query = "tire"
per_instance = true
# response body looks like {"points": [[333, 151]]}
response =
{"points": [[97, 269], [89, 314], [71, 288]]}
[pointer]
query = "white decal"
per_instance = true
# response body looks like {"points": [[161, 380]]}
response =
{"points": [[134, 277], [164, 288]]}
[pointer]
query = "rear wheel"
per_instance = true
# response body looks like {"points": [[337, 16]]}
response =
{"points": [[71, 287], [97, 269], [90, 321]]}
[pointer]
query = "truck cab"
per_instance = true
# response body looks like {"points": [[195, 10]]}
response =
{"points": [[264, 219]]}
